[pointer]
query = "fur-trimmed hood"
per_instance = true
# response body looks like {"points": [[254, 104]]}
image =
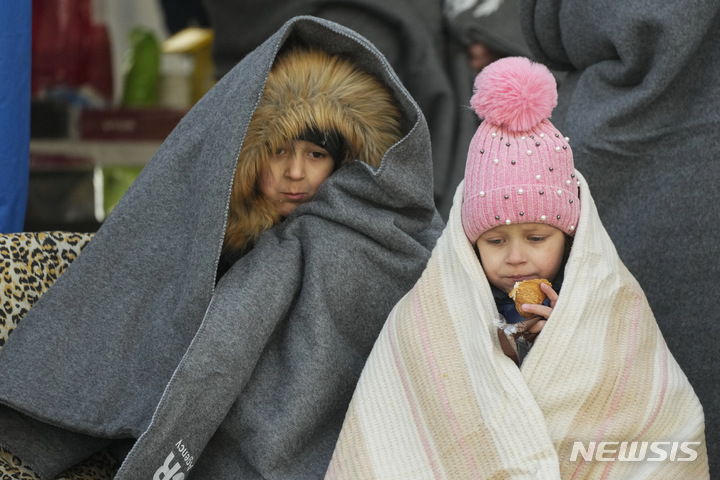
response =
{"points": [[308, 90], [334, 96]]}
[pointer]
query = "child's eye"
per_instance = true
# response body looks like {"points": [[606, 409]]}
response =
{"points": [[537, 239], [494, 241], [318, 155], [281, 151]]}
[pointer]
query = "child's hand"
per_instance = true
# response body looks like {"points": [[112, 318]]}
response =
{"points": [[535, 324]]}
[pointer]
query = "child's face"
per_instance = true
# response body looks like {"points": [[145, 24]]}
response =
{"points": [[522, 251], [294, 174]]}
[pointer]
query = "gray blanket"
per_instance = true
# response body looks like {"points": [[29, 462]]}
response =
{"points": [[136, 348], [641, 105]]}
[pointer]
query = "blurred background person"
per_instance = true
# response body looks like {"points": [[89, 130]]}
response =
{"points": [[488, 29], [640, 104]]}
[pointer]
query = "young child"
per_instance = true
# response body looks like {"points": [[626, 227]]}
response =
{"points": [[521, 202], [598, 396]]}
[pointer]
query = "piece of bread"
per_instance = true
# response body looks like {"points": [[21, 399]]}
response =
{"points": [[528, 291]]}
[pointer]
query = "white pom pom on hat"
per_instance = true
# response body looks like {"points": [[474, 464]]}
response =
{"points": [[520, 168]]}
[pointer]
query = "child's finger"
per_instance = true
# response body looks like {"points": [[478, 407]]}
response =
{"points": [[537, 326], [551, 294], [541, 310]]}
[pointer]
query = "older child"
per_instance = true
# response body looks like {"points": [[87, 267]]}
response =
{"points": [[300, 133], [142, 348], [598, 396]]}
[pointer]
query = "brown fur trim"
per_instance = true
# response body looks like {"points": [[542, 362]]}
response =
{"points": [[335, 95]]}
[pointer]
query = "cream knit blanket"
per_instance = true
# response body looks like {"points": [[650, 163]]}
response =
{"points": [[599, 395]]}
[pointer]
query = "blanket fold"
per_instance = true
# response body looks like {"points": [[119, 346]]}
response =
{"points": [[438, 398]]}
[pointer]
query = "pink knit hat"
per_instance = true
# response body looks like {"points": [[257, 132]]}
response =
{"points": [[519, 168]]}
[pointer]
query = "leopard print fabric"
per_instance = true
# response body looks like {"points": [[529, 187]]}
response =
{"points": [[100, 466], [12, 467], [29, 264]]}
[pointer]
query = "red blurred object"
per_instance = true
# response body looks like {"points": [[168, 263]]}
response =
{"points": [[68, 50], [138, 124], [59, 29], [98, 71]]}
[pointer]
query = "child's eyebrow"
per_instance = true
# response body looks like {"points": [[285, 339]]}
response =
{"points": [[538, 229]]}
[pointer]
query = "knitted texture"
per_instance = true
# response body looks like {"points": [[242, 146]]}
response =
{"points": [[438, 399], [520, 168]]}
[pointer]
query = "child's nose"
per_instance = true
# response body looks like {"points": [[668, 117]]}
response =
{"points": [[515, 254], [295, 167]]}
